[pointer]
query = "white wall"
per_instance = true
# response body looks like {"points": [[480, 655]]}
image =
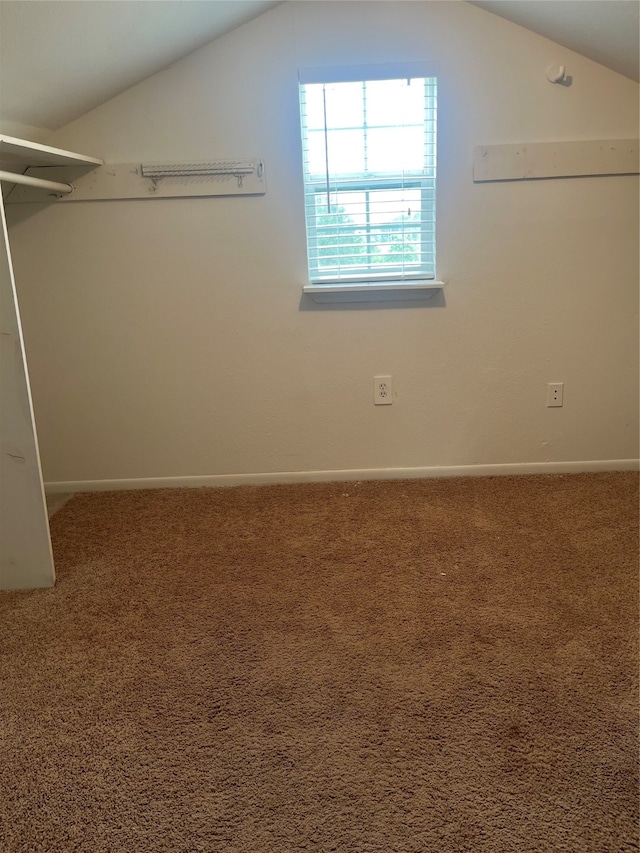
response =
{"points": [[170, 337], [24, 131]]}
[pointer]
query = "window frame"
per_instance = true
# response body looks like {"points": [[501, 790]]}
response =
{"points": [[386, 284]]}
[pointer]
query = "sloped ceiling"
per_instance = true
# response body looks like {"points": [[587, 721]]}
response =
{"points": [[607, 31], [62, 58]]}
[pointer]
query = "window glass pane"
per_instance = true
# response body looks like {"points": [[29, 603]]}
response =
{"points": [[353, 204], [394, 206], [346, 152], [395, 149], [340, 242], [394, 102], [344, 104], [372, 227]]}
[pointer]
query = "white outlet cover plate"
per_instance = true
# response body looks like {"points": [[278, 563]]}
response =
{"points": [[382, 390], [555, 393]]}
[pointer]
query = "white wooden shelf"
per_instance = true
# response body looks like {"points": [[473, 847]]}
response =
{"points": [[20, 154], [537, 160]]}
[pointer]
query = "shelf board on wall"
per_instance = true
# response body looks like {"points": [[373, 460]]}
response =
{"points": [[21, 153], [536, 160]]}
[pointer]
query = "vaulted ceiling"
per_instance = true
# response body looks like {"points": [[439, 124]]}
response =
{"points": [[607, 31], [60, 59]]}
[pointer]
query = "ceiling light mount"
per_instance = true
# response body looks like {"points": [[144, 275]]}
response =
{"points": [[556, 74]]}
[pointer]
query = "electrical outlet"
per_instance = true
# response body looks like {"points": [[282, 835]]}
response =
{"points": [[382, 391], [555, 392]]}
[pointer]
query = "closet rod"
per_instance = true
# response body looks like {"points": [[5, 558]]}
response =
{"points": [[28, 181]]}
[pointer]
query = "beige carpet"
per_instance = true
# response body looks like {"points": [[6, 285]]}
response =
{"points": [[396, 667]]}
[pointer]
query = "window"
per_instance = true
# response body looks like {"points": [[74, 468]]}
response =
{"points": [[369, 158]]}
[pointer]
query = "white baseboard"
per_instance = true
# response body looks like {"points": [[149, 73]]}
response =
{"points": [[218, 480]]}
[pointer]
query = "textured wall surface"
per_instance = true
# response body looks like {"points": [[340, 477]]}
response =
{"points": [[171, 338]]}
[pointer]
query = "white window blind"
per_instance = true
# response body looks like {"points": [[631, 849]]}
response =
{"points": [[369, 149]]}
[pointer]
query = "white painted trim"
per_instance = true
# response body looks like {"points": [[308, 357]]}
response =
{"points": [[357, 73], [387, 291], [218, 480], [365, 286]]}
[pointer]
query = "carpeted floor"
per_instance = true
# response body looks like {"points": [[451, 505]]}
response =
{"points": [[439, 666]]}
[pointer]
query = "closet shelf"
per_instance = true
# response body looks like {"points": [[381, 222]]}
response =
{"points": [[19, 154]]}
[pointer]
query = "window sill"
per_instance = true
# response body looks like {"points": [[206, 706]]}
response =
{"points": [[374, 292]]}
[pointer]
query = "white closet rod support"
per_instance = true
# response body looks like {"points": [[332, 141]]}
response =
{"points": [[28, 181]]}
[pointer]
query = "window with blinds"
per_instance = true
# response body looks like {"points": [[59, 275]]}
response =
{"points": [[369, 151]]}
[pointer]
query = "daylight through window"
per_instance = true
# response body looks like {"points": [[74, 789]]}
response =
{"points": [[369, 149]]}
